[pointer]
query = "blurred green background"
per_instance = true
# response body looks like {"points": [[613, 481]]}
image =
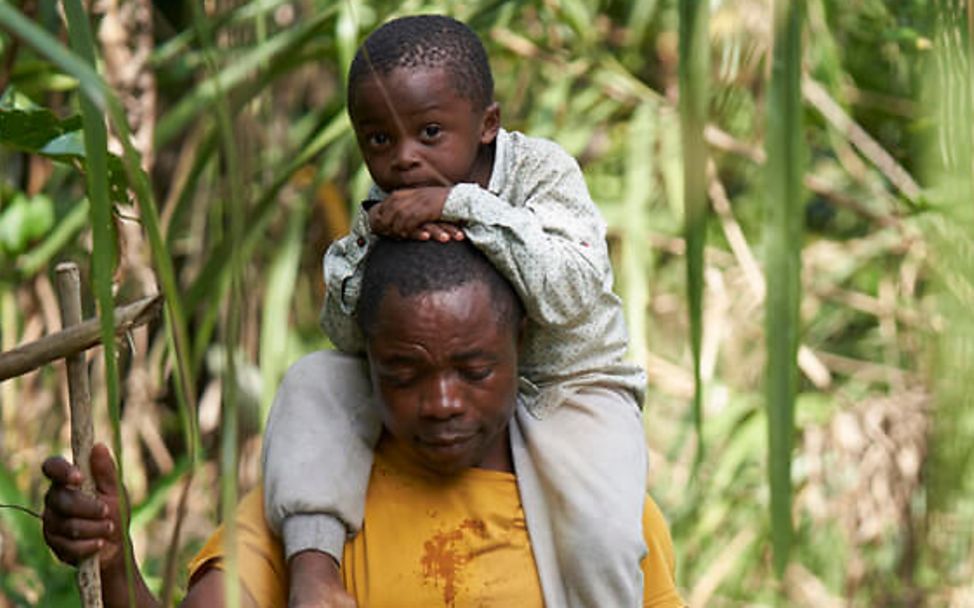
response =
{"points": [[242, 168]]}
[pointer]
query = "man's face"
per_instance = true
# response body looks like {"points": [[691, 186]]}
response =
{"points": [[445, 368], [415, 130]]}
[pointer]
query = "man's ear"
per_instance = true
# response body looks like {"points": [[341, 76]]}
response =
{"points": [[491, 123], [522, 325]]}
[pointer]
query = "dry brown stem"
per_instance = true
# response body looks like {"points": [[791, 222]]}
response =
{"points": [[74, 339], [82, 429], [820, 99]]}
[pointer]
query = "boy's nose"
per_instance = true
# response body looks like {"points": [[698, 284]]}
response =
{"points": [[407, 157]]}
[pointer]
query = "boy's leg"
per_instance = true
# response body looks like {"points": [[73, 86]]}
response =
{"points": [[317, 455], [588, 459]]}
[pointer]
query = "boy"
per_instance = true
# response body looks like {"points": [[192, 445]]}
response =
{"points": [[420, 98]]}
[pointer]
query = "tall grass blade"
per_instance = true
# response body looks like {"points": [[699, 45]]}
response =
{"points": [[694, 71], [236, 210], [214, 273], [103, 252], [950, 159], [222, 81], [281, 278], [637, 257], [783, 231]]}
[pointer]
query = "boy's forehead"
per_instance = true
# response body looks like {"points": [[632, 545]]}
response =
{"points": [[432, 83]]}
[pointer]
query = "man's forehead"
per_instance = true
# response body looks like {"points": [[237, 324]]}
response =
{"points": [[469, 292], [466, 307]]}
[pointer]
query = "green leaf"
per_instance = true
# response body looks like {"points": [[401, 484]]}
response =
{"points": [[31, 262], [38, 131], [30, 130], [66, 145], [24, 529], [25, 220]]}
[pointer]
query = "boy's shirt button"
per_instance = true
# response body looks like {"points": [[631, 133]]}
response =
{"points": [[361, 241]]}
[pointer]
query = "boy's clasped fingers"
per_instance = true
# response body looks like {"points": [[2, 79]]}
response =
{"points": [[443, 232], [404, 211]]}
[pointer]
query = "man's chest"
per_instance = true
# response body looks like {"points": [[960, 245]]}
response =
{"points": [[428, 545]]}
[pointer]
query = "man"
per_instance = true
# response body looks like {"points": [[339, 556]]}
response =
{"points": [[444, 524]]}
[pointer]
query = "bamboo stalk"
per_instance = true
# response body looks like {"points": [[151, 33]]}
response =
{"points": [[693, 75], [75, 339], [785, 148], [82, 431]]}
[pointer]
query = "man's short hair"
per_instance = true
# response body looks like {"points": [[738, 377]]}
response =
{"points": [[427, 41], [421, 267]]}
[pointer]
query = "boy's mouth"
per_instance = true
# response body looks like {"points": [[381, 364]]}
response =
{"points": [[419, 184]]}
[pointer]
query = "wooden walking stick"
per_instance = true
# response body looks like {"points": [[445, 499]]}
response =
{"points": [[82, 430]]}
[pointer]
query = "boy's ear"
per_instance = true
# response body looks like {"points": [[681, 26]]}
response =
{"points": [[491, 123]]}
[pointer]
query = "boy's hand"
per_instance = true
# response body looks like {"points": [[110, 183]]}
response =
{"points": [[76, 525], [316, 582], [443, 232], [404, 213]]}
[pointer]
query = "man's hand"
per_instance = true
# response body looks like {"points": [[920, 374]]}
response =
{"points": [[414, 213], [76, 525], [316, 582]]}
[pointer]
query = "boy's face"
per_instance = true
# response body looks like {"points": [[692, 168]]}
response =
{"points": [[444, 365], [415, 130]]}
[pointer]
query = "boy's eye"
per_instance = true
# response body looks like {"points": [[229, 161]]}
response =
{"points": [[431, 131], [377, 140]]}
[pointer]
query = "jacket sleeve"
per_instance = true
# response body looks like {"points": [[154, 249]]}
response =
{"points": [[342, 266], [550, 243]]}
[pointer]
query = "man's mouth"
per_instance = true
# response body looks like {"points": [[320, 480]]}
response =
{"points": [[446, 444], [445, 439]]}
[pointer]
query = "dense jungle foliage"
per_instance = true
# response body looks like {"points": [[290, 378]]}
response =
{"points": [[819, 160]]}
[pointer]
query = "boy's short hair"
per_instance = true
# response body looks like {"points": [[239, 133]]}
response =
{"points": [[421, 267], [427, 41]]}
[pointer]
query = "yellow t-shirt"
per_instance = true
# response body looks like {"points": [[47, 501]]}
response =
{"points": [[429, 541]]}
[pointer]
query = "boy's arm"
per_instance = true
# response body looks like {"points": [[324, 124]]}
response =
{"points": [[550, 245], [318, 453], [342, 266]]}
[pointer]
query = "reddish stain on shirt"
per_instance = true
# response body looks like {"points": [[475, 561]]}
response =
{"points": [[444, 557]]}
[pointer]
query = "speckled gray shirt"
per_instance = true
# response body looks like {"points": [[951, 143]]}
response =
{"points": [[538, 225]]}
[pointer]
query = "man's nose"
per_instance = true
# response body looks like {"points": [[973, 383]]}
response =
{"points": [[442, 399]]}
